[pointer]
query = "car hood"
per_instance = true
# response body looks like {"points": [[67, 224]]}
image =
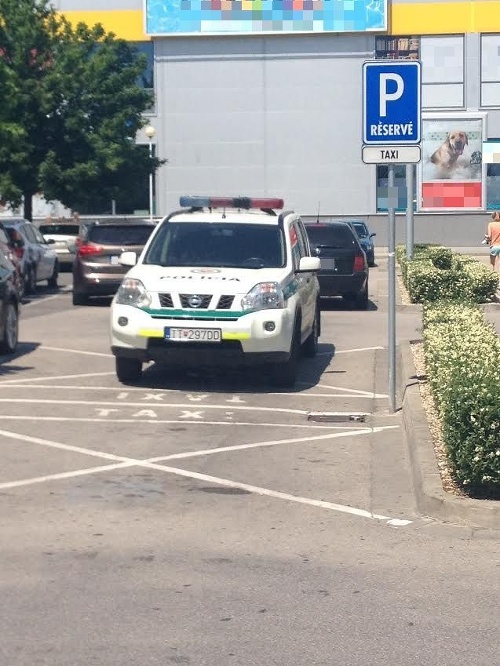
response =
{"points": [[204, 280]]}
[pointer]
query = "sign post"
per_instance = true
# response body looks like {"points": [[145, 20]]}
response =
{"points": [[392, 120]]}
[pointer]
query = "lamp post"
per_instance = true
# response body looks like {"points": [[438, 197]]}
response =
{"points": [[150, 132]]}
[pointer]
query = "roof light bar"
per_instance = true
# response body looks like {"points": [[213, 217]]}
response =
{"points": [[230, 202]]}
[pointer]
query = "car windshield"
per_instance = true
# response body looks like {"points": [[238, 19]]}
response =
{"points": [[120, 234], [330, 236], [231, 245], [59, 229], [361, 229]]}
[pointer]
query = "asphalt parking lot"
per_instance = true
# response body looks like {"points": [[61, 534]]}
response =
{"points": [[61, 400], [206, 518]]}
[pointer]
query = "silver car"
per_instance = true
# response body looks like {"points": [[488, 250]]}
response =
{"points": [[39, 260], [62, 236]]}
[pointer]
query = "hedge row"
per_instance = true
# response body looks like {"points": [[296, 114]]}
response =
{"points": [[462, 355], [437, 273]]}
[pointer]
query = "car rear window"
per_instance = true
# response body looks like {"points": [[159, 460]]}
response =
{"points": [[360, 229], [222, 245], [60, 229], [330, 235], [110, 234]]}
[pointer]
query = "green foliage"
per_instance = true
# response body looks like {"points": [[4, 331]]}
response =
{"points": [[462, 353], [437, 273], [75, 108]]}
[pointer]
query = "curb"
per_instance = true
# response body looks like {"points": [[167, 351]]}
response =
{"points": [[432, 500]]}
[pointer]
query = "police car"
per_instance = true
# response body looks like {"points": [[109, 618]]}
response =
{"points": [[221, 281]]}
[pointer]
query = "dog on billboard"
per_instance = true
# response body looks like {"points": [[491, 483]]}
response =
{"points": [[446, 157]]}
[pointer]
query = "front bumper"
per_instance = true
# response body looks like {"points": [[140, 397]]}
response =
{"points": [[135, 333]]}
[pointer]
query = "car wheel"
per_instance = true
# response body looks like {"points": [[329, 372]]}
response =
{"points": [[8, 343], [361, 300], [285, 374], [128, 370], [52, 281], [30, 280], [80, 299], [371, 261], [310, 346]]}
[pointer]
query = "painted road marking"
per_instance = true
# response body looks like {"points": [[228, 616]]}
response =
{"points": [[156, 421], [340, 508]]}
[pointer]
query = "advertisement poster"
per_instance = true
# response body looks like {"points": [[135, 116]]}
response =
{"points": [[451, 170], [223, 17]]}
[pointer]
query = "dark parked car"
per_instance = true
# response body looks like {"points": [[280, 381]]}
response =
{"points": [[96, 268], [9, 307], [12, 250], [344, 268], [365, 239]]}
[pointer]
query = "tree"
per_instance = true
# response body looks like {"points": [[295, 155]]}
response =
{"points": [[74, 109]]}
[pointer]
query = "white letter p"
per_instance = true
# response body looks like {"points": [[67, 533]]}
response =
{"points": [[387, 96]]}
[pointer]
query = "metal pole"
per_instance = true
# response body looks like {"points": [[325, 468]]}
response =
{"points": [[151, 182], [410, 229], [392, 198]]}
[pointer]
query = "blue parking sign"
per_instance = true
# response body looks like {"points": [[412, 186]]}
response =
{"points": [[391, 102]]}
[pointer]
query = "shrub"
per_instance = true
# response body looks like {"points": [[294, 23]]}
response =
{"points": [[437, 273], [462, 353]]}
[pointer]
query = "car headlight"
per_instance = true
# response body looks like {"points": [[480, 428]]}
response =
{"points": [[264, 296], [133, 292]]}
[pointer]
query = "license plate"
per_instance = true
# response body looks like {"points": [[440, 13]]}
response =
{"points": [[327, 264], [193, 334], [114, 259]]}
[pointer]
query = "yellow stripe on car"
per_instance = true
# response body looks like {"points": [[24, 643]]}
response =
{"points": [[150, 333], [236, 336]]}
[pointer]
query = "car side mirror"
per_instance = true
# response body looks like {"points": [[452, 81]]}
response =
{"points": [[127, 259], [49, 241], [307, 264], [372, 234]]}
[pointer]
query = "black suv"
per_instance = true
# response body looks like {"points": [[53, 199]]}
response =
{"points": [[344, 267]]}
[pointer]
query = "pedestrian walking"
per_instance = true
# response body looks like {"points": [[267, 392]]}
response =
{"points": [[493, 239]]}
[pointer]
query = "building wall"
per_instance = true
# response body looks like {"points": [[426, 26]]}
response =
{"points": [[281, 115]]}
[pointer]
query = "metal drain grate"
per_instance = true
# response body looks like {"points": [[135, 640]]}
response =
{"points": [[337, 417]]}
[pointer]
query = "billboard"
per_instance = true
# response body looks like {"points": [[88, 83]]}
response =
{"points": [[451, 171], [258, 17]]}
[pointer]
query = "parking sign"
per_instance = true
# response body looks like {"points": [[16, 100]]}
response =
{"points": [[391, 102]]}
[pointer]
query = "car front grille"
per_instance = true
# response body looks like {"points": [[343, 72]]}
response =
{"points": [[225, 301], [204, 301], [166, 300]]}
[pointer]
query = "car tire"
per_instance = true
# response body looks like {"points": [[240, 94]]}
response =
{"points": [[80, 299], [361, 300], [30, 280], [310, 346], [8, 343], [371, 261], [284, 374], [128, 370], [52, 281]]}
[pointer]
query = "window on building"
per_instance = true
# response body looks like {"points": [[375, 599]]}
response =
{"points": [[397, 48], [490, 70], [399, 182], [493, 186], [146, 80], [443, 64]]}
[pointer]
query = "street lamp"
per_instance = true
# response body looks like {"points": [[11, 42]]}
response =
{"points": [[150, 132]]}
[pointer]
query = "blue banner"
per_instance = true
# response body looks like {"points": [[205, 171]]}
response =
{"points": [[220, 17]]}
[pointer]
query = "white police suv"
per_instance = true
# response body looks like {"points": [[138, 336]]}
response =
{"points": [[222, 281]]}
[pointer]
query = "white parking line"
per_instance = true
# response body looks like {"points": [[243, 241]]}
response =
{"points": [[76, 351], [185, 421], [340, 508], [45, 378]]}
